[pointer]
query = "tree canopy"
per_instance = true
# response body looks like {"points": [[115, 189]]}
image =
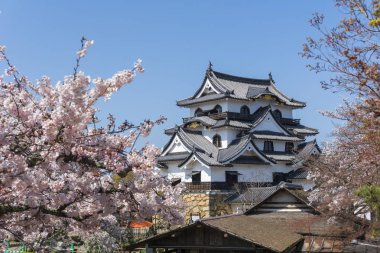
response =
{"points": [[61, 169], [350, 52]]}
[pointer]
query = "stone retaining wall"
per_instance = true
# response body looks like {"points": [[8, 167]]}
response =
{"points": [[205, 204]]}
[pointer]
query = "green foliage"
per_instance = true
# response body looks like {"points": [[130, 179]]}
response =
{"points": [[371, 196]]}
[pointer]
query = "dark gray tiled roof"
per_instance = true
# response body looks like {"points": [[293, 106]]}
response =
{"points": [[252, 195], [254, 92], [236, 147], [208, 153], [305, 150], [249, 160], [238, 85], [200, 146], [294, 189], [280, 156], [241, 80], [298, 174], [238, 88], [233, 149], [170, 131], [173, 157], [212, 97], [301, 130], [206, 120], [269, 135], [232, 123], [203, 149], [255, 195]]}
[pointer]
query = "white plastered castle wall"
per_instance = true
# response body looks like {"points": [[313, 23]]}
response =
{"points": [[250, 173], [277, 145], [226, 134], [173, 171], [247, 173], [232, 105]]}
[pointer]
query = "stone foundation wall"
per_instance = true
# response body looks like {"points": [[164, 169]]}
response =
{"points": [[205, 204]]}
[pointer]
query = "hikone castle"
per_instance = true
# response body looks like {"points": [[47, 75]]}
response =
{"points": [[242, 155], [238, 143]]}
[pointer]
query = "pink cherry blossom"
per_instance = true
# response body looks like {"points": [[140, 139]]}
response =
{"points": [[61, 170]]}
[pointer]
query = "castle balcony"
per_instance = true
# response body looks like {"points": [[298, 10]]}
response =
{"points": [[223, 186], [289, 121], [240, 116]]}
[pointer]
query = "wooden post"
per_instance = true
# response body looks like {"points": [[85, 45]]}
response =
{"points": [[149, 250]]}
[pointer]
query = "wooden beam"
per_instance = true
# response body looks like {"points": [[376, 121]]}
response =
{"points": [[200, 247]]}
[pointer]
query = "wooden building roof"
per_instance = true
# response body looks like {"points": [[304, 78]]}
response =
{"points": [[269, 232], [274, 231]]}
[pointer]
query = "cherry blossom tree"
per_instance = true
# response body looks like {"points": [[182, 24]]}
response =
{"points": [[61, 170], [350, 52]]}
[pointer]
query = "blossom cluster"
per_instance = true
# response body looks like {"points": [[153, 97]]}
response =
{"points": [[60, 171]]}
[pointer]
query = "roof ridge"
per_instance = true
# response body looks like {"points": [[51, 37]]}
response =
{"points": [[220, 217], [248, 80], [274, 87]]}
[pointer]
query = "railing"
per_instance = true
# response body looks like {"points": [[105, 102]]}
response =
{"points": [[289, 121], [223, 186], [239, 116], [223, 115]]}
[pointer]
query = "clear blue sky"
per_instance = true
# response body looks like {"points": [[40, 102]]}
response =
{"points": [[175, 40]]}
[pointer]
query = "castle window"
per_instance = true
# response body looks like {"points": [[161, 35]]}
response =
{"points": [[175, 181], [198, 112], [289, 146], [217, 141], [278, 177], [231, 177], [196, 176], [218, 109], [194, 217], [277, 114], [268, 145], [244, 110]]}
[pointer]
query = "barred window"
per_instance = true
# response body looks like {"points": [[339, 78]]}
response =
{"points": [[244, 110], [218, 109], [268, 145], [277, 114], [198, 112], [217, 141], [289, 146]]}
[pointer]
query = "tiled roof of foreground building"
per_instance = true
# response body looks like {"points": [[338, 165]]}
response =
{"points": [[271, 232], [241, 88], [282, 229]]}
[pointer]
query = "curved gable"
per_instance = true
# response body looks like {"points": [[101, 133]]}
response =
{"points": [[206, 88], [283, 200], [174, 145], [239, 149], [268, 122]]}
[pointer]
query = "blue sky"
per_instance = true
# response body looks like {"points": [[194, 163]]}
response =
{"points": [[175, 40]]}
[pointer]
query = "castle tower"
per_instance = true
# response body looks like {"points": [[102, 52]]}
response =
{"points": [[240, 134]]}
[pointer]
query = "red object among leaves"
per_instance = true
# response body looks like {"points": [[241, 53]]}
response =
{"points": [[140, 224]]}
